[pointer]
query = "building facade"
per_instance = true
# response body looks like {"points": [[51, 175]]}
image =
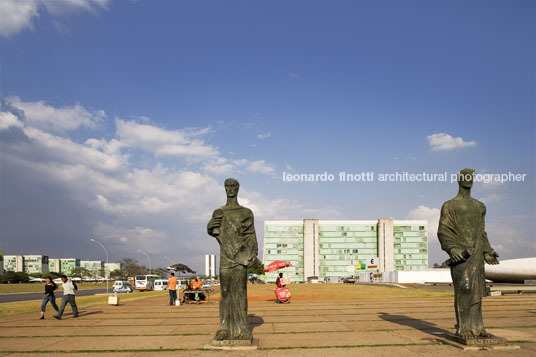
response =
{"points": [[210, 265], [325, 248], [31, 264], [35, 264], [14, 263], [109, 267], [54, 265], [93, 266], [68, 265]]}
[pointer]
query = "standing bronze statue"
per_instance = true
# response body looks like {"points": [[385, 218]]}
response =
{"points": [[462, 235], [232, 225]]}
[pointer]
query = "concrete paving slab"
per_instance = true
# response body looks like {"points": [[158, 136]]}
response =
{"points": [[406, 328]]}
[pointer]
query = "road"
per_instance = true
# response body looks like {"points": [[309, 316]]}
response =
{"points": [[37, 296]]}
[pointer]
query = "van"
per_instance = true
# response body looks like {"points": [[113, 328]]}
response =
{"points": [[146, 282], [160, 284]]}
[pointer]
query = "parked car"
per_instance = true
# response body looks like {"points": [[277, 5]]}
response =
{"points": [[349, 280], [121, 286]]}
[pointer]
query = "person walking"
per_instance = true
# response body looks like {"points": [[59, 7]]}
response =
{"points": [[69, 288], [50, 286], [172, 287]]}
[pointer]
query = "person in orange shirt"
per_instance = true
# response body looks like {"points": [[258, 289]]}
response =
{"points": [[172, 287], [196, 283]]}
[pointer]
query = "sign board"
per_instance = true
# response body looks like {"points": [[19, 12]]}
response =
{"points": [[373, 263]]}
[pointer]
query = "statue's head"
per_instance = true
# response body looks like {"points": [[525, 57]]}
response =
{"points": [[231, 187], [465, 178]]}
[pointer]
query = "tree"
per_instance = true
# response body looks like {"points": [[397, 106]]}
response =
{"points": [[117, 275], [256, 267], [159, 271], [80, 272], [15, 277], [96, 273], [131, 268], [51, 275]]}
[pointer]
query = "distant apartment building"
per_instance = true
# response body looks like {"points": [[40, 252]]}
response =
{"points": [[92, 265], [210, 265], [329, 248], [109, 267], [54, 265], [35, 264], [14, 263], [31, 264], [68, 265]]}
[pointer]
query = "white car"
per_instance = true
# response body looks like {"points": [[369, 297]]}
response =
{"points": [[121, 286]]}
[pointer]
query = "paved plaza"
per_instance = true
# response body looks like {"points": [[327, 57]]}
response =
{"points": [[364, 327]]}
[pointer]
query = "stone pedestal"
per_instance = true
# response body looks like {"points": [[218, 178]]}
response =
{"points": [[478, 343], [237, 345]]}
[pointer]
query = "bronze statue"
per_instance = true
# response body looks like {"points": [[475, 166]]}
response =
{"points": [[462, 235], [232, 225]]}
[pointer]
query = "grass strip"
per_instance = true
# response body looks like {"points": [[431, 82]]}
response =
{"points": [[12, 308], [40, 287]]}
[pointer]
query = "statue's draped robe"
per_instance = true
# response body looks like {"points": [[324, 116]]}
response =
{"points": [[238, 249], [461, 226]]}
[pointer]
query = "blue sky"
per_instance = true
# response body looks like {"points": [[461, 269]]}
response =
{"points": [[120, 119]]}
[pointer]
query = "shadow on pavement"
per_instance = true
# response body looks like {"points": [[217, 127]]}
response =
{"points": [[417, 324], [254, 321], [87, 313]]}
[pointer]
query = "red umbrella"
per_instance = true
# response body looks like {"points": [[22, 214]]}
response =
{"points": [[278, 264]]}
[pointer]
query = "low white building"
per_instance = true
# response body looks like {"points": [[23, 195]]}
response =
{"points": [[407, 276], [109, 267]]}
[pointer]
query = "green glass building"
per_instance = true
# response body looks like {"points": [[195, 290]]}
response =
{"points": [[68, 265], [325, 248]]}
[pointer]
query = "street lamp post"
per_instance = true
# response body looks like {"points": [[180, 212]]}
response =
{"points": [[148, 258], [170, 260], [105, 251]]}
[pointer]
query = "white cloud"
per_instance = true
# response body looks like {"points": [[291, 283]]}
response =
{"points": [[97, 154], [220, 166], [492, 198], [428, 213], [442, 142], [163, 142], [62, 7], [8, 120], [262, 136], [293, 75], [18, 15], [512, 236], [43, 116], [260, 166], [151, 207], [435, 254], [147, 239]]}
